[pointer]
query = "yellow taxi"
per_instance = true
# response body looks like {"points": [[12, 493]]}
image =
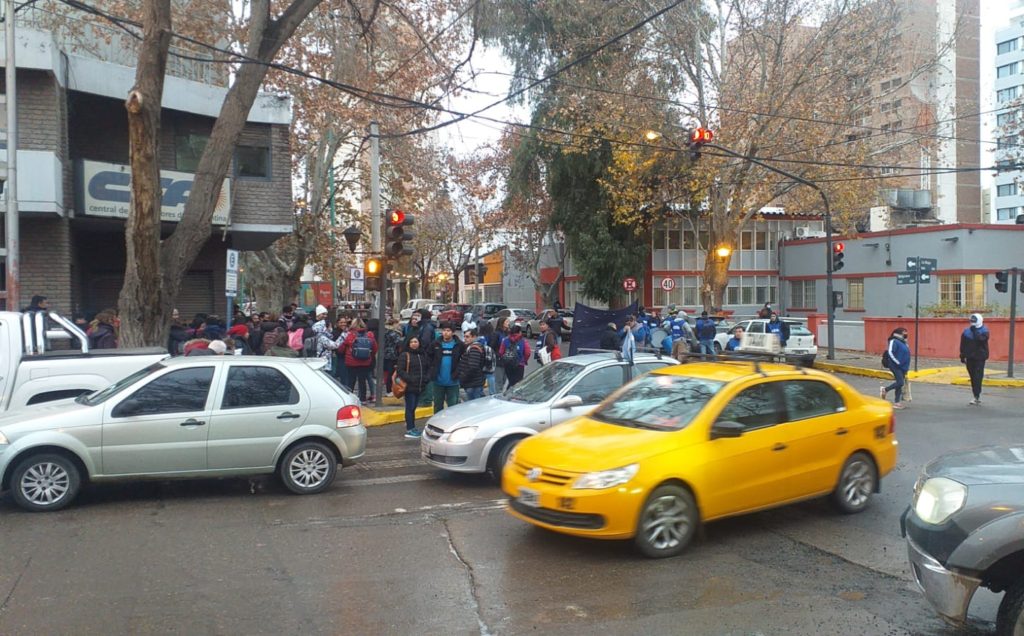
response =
{"points": [[698, 442]]}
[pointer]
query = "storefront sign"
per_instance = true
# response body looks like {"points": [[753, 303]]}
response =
{"points": [[105, 190]]}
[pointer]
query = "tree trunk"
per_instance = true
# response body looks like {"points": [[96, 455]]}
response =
{"points": [[142, 303], [716, 279]]}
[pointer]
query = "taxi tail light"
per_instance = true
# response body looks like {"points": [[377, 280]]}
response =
{"points": [[349, 416], [892, 423]]}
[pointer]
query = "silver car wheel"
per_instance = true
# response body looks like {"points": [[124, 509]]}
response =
{"points": [[45, 483], [666, 522], [858, 483], [309, 468]]}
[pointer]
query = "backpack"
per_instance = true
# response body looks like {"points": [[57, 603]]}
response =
{"points": [[309, 347], [392, 340], [295, 340], [511, 355], [885, 359], [489, 359], [362, 347]]}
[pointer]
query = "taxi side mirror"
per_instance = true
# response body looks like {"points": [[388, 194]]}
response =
{"points": [[567, 402], [726, 429]]}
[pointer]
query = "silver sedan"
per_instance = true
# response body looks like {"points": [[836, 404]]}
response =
{"points": [[206, 416], [477, 436]]}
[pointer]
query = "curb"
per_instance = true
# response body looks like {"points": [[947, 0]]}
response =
{"points": [[1014, 383], [852, 370], [373, 417]]}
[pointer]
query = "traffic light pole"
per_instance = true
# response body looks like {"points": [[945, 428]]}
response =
{"points": [[1013, 316], [917, 310], [829, 300]]}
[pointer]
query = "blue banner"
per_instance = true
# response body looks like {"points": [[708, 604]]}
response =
{"points": [[589, 323]]}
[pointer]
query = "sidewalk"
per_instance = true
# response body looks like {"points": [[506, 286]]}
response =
{"points": [[930, 370]]}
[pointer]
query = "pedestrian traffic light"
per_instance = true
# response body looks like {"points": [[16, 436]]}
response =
{"points": [[372, 274], [699, 137], [1001, 281], [838, 250], [397, 234]]}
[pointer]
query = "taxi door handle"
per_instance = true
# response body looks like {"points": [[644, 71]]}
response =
{"points": [[841, 431], [779, 447]]}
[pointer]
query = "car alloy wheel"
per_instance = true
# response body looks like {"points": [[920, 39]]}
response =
{"points": [[308, 468], [856, 484], [667, 522], [45, 482]]}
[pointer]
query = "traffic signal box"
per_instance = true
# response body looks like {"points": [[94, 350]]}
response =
{"points": [[397, 233], [838, 253], [699, 137], [1002, 281], [372, 274]]}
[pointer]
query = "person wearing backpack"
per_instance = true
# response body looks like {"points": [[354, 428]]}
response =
{"points": [[897, 360], [445, 355], [471, 366], [490, 357], [359, 348], [392, 343], [413, 368], [513, 355]]}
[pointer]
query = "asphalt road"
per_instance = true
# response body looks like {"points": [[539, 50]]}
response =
{"points": [[395, 547]]}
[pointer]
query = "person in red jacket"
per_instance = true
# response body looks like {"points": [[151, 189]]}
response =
{"points": [[359, 348]]}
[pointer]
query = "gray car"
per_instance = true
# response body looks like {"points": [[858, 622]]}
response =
{"points": [[964, 531], [208, 416], [477, 436]]}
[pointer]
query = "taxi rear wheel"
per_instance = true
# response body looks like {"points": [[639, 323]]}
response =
{"points": [[857, 481], [668, 521]]}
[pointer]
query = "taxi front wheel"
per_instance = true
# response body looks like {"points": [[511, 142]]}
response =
{"points": [[667, 522]]}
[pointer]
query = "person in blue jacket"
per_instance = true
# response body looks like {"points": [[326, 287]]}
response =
{"points": [[898, 358], [736, 340]]}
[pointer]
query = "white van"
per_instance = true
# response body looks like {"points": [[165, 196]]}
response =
{"points": [[415, 305]]}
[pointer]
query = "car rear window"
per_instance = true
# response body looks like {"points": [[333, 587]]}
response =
{"points": [[799, 330]]}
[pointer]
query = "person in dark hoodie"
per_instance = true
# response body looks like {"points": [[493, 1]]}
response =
{"points": [[413, 368], [177, 337], [513, 354], [974, 353], [897, 357], [471, 366], [213, 329], [610, 338], [102, 334]]}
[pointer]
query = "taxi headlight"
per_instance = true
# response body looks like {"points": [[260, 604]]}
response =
{"points": [[939, 499], [462, 435], [607, 478]]}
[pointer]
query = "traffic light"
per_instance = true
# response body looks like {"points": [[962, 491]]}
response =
{"points": [[838, 250], [699, 137], [372, 274], [397, 234], [1001, 281]]}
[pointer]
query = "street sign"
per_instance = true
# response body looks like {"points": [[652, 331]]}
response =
{"points": [[629, 284], [837, 299], [927, 264], [356, 282], [230, 283], [668, 284], [232, 265], [907, 278]]}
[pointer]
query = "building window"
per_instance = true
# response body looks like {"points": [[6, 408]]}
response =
{"points": [[855, 293], [1008, 46], [188, 148], [1006, 190], [1006, 214], [1004, 119], [1006, 70], [802, 294], [1005, 142], [1007, 94], [892, 84], [1004, 165], [888, 170], [252, 162], [962, 290]]}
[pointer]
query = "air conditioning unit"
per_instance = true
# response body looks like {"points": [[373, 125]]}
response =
{"points": [[804, 232]]}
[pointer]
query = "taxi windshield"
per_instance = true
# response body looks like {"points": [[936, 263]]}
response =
{"points": [[543, 384], [658, 402]]}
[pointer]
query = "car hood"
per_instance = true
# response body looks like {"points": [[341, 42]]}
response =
{"points": [[479, 412], [37, 417], [979, 466], [583, 445]]}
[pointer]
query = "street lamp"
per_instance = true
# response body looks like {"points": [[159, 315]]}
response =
{"points": [[723, 252], [652, 135]]}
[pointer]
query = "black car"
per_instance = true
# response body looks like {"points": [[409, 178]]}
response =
{"points": [[965, 530]]}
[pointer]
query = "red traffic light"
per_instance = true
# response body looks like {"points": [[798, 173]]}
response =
{"points": [[397, 217], [701, 135], [838, 248]]}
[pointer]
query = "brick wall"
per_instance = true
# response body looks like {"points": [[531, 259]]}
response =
{"points": [[46, 261], [39, 112], [262, 200]]}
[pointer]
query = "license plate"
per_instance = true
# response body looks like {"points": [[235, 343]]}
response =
{"points": [[798, 350], [529, 497]]}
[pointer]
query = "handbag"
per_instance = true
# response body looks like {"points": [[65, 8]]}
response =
{"points": [[398, 385], [545, 356]]}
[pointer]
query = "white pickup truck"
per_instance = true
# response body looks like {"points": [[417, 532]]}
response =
{"points": [[45, 357]]}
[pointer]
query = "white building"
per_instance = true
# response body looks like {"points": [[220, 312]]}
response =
{"points": [[1008, 200]]}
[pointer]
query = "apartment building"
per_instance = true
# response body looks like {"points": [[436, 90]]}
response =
{"points": [[1008, 200]]}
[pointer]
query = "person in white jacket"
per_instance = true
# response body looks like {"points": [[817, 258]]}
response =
{"points": [[468, 322]]}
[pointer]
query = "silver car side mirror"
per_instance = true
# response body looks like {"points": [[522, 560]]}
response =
{"points": [[567, 402]]}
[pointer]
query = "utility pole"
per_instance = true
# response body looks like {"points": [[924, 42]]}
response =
{"points": [[334, 250], [376, 230], [12, 229], [1013, 316]]}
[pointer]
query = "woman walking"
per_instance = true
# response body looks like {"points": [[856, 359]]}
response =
{"points": [[897, 359], [412, 368]]}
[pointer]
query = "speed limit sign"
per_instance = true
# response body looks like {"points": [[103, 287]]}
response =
{"points": [[668, 284]]}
